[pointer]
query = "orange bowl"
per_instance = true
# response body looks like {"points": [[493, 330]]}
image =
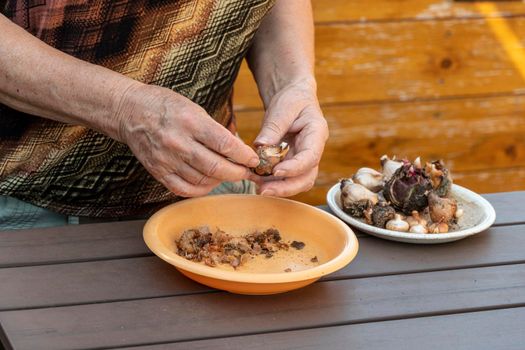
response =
{"points": [[328, 241]]}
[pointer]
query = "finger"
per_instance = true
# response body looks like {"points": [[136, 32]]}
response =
{"points": [[160, 164], [256, 178], [193, 176], [309, 145], [299, 164], [182, 188], [291, 185], [219, 139], [214, 165], [277, 121]]}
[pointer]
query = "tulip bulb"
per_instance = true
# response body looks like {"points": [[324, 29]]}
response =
{"points": [[440, 227], [389, 166], [418, 229], [369, 178], [381, 214], [355, 198], [269, 156], [407, 189], [397, 224], [440, 177], [441, 209]]}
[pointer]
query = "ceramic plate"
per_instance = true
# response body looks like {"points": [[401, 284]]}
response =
{"points": [[478, 216]]}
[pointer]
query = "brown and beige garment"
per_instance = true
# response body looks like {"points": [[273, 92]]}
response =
{"points": [[192, 47]]}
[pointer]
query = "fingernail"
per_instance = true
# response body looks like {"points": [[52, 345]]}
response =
{"points": [[261, 141], [268, 193], [279, 173], [253, 162]]}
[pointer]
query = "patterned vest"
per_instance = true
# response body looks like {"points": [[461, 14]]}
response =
{"points": [[194, 47]]}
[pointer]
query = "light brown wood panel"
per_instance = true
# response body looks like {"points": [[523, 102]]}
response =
{"points": [[404, 61], [477, 138], [380, 10]]}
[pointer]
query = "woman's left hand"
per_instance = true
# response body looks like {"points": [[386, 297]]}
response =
{"points": [[293, 115]]}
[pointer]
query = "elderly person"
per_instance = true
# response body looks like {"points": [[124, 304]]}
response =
{"points": [[116, 108]]}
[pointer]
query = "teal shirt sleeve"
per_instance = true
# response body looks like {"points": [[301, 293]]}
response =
{"points": [[16, 214]]}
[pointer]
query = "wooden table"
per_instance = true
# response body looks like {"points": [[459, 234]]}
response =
{"points": [[97, 286]]}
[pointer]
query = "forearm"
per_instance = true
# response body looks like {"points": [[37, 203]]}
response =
{"points": [[283, 48], [40, 80]]}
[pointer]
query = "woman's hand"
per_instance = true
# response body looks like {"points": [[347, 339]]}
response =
{"points": [[179, 143], [174, 138], [294, 115], [281, 59]]}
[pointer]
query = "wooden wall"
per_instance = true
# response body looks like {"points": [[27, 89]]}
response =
{"points": [[414, 77]]}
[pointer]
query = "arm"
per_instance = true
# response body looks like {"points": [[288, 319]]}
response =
{"points": [[175, 139], [43, 81], [282, 62]]}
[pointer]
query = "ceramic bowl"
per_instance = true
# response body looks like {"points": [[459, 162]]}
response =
{"points": [[327, 239], [478, 216]]}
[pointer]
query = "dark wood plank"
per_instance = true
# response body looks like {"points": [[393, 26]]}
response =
{"points": [[88, 282], [381, 257], [72, 243], [507, 206], [4, 343], [124, 239], [192, 317], [497, 329], [149, 277]]}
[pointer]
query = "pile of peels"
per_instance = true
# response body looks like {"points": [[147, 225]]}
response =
{"points": [[201, 245], [404, 196]]}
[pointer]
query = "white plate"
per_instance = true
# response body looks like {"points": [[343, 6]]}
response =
{"points": [[478, 216]]}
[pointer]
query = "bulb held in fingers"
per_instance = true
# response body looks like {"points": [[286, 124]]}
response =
{"points": [[270, 156]]}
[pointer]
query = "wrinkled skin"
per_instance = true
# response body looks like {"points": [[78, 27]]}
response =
{"points": [[294, 115], [179, 143]]}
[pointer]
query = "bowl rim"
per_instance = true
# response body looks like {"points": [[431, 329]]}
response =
{"points": [[345, 256], [488, 219]]}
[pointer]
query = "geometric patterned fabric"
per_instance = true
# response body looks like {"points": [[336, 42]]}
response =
{"points": [[193, 47]]}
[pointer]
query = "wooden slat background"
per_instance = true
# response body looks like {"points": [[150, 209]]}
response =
{"points": [[414, 77]]}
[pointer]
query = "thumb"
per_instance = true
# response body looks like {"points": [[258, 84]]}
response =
{"points": [[277, 121]]}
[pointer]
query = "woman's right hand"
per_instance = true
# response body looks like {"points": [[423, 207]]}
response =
{"points": [[179, 143]]}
